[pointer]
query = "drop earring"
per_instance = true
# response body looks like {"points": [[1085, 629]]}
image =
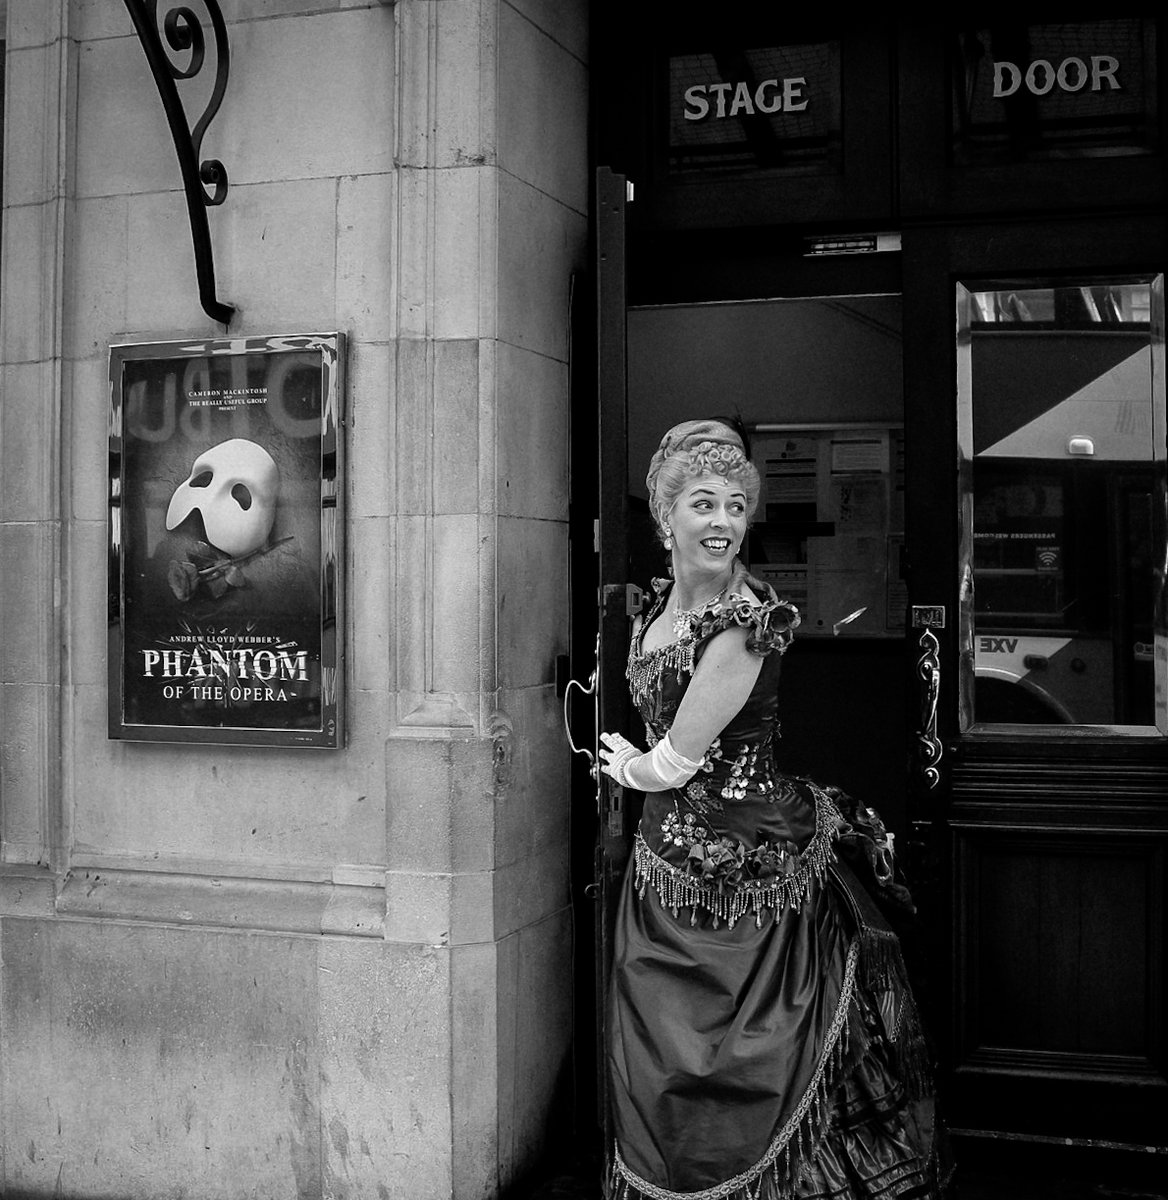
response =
{"points": [[668, 538]]}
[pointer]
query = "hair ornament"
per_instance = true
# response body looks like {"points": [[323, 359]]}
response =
{"points": [[693, 448], [716, 458]]}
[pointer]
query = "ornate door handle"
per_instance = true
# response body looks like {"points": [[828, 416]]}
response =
{"points": [[591, 689], [926, 618]]}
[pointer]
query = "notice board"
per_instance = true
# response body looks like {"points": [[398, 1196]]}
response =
{"points": [[829, 533]]}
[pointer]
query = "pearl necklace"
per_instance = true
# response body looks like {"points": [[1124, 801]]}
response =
{"points": [[685, 620]]}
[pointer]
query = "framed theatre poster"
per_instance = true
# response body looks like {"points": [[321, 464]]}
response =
{"points": [[225, 530]]}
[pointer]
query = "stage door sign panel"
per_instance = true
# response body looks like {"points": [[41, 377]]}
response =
{"points": [[1071, 89], [773, 108]]}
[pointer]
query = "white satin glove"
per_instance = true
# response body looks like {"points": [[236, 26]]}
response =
{"points": [[655, 771]]}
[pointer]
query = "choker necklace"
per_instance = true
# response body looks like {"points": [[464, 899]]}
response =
{"points": [[685, 620]]}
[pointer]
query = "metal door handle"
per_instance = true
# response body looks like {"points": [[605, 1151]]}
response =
{"points": [[926, 618], [592, 755]]}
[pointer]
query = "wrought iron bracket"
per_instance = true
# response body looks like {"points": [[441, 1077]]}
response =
{"points": [[184, 33]]}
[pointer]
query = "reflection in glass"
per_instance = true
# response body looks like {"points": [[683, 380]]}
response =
{"points": [[748, 110], [1062, 427], [1026, 91], [818, 381]]}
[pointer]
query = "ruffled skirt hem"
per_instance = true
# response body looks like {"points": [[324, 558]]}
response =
{"points": [[860, 1127]]}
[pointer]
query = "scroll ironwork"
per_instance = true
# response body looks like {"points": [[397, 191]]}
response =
{"points": [[929, 673], [204, 181], [592, 755]]}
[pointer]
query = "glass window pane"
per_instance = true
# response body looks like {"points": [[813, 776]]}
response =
{"points": [[1025, 91], [1061, 395], [774, 108]]}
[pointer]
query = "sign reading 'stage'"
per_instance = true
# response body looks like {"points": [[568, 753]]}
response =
{"points": [[774, 108]]}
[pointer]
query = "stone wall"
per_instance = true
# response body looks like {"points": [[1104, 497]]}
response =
{"points": [[265, 972]]}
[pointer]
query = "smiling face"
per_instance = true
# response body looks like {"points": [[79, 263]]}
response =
{"points": [[708, 521]]}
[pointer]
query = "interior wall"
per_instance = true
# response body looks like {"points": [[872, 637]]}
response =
{"points": [[786, 361], [792, 361]]}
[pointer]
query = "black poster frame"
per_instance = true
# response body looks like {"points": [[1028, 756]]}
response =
{"points": [[225, 541]]}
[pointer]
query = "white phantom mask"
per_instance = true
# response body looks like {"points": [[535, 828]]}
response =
{"points": [[233, 486]]}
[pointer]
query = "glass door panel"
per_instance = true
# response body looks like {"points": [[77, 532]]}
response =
{"points": [[818, 382], [1061, 418]]}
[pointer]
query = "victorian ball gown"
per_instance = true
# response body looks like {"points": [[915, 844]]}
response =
{"points": [[763, 1039]]}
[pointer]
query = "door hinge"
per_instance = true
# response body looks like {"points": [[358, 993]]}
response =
{"points": [[613, 595]]}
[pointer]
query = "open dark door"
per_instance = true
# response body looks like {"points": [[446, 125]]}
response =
{"points": [[617, 596], [1035, 520], [596, 697]]}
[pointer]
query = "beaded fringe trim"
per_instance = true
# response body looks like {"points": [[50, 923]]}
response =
{"points": [[677, 889], [643, 671], [775, 1175], [771, 624]]}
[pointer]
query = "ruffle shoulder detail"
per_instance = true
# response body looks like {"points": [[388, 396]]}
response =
{"points": [[771, 621]]}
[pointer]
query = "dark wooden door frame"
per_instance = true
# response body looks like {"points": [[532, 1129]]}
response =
{"points": [[1038, 795]]}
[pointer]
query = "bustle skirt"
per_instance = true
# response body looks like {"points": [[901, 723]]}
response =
{"points": [[774, 1058]]}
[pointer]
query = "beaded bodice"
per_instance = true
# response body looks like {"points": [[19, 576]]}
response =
{"points": [[741, 835], [741, 759]]}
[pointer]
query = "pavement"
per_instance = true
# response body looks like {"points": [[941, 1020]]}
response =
{"points": [[969, 1183], [1052, 1171], [974, 1185], [984, 1168], [983, 1186]]}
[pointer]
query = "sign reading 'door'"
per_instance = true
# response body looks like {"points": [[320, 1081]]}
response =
{"points": [[1058, 90], [1073, 74]]}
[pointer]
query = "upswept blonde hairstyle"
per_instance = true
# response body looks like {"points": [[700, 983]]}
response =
{"points": [[710, 447]]}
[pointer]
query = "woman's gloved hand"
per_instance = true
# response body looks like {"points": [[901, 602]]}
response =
{"points": [[655, 771]]}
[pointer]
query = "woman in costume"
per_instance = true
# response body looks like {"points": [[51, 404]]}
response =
{"points": [[763, 1042]]}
